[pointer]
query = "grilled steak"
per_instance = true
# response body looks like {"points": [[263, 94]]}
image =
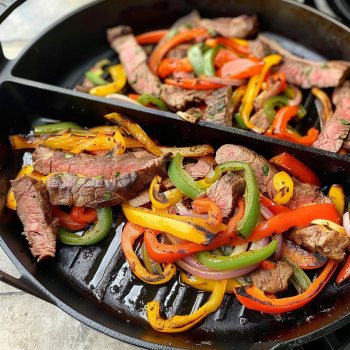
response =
{"points": [[237, 27], [179, 51], [69, 189], [201, 168], [183, 75], [180, 99], [258, 49], [220, 107], [133, 59], [196, 112], [273, 280], [226, 191], [264, 172], [331, 244], [337, 128], [306, 73], [35, 212], [260, 120], [47, 161]]}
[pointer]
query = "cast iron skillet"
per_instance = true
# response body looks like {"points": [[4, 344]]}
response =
{"points": [[94, 284]]}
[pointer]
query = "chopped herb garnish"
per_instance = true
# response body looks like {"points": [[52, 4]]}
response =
{"points": [[324, 66], [188, 25], [108, 196], [197, 115], [136, 75], [341, 138], [212, 116], [117, 174], [79, 184], [265, 169], [138, 51], [68, 155], [348, 107], [159, 85], [99, 177], [212, 32], [267, 52], [64, 173], [307, 73], [221, 108], [342, 121]]}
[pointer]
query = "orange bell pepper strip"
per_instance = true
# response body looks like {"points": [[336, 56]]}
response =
{"points": [[240, 69], [83, 215], [177, 39], [230, 44], [266, 264], [66, 220], [151, 37], [300, 217], [296, 168], [279, 127], [344, 273], [272, 79], [253, 298], [130, 233], [224, 56], [192, 83], [206, 205], [169, 66]]}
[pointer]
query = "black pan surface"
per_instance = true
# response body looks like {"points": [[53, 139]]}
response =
{"points": [[94, 284]]}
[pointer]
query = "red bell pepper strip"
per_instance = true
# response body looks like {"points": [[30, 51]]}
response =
{"points": [[272, 206], [83, 215], [279, 127], [206, 205], [253, 298], [169, 66], [66, 220], [151, 37], [224, 56], [300, 217], [272, 79], [240, 69], [177, 39], [231, 44], [296, 168], [160, 252], [344, 273], [193, 84]]}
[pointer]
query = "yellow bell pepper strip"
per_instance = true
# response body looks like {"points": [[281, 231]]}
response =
{"points": [[151, 266], [104, 129], [253, 88], [336, 195], [283, 184], [193, 151], [130, 233], [252, 203], [189, 228], [177, 323], [52, 128], [119, 139], [182, 180], [136, 131], [206, 285], [237, 97], [324, 99], [328, 225]]}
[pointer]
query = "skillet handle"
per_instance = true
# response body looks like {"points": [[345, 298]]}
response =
{"points": [[24, 285], [6, 7]]}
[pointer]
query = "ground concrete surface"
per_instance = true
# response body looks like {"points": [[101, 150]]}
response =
{"points": [[26, 322]]}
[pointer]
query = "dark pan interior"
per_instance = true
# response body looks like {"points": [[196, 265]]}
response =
{"points": [[96, 282]]}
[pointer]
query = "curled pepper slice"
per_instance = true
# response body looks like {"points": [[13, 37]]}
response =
{"points": [[336, 195], [130, 233], [283, 184], [326, 102], [177, 323], [206, 205]]}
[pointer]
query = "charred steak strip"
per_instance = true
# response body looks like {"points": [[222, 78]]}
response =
{"points": [[201, 168], [260, 120], [273, 280], [226, 191], [265, 171], [47, 161], [337, 128], [133, 59], [331, 244], [307, 73], [35, 212]]}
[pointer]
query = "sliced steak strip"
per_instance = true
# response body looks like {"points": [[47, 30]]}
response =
{"points": [[69, 189], [180, 99], [133, 59], [258, 49], [337, 128], [260, 120], [307, 73], [273, 280], [47, 161], [237, 27], [183, 75], [264, 173], [35, 212], [220, 107], [226, 191], [179, 51], [201, 168], [331, 244]]}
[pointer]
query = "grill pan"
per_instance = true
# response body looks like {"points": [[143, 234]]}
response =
{"points": [[94, 284]]}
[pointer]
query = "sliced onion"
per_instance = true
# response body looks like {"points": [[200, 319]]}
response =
{"points": [[183, 211], [192, 261], [321, 112], [297, 98], [273, 91], [346, 223], [223, 81], [123, 98], [238, 249], [278, 253], [260, 243], [265, 212]]}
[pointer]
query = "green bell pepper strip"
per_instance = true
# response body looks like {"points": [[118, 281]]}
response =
{"points": [[300, 279], [240, 122], [182, 180], [95, 78], [278, 102], [251, 195], [151, 266], [52, 128], [96, 234], [145, 99], [245, 259], [195, 56], [208, 62], [103, 62]]}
